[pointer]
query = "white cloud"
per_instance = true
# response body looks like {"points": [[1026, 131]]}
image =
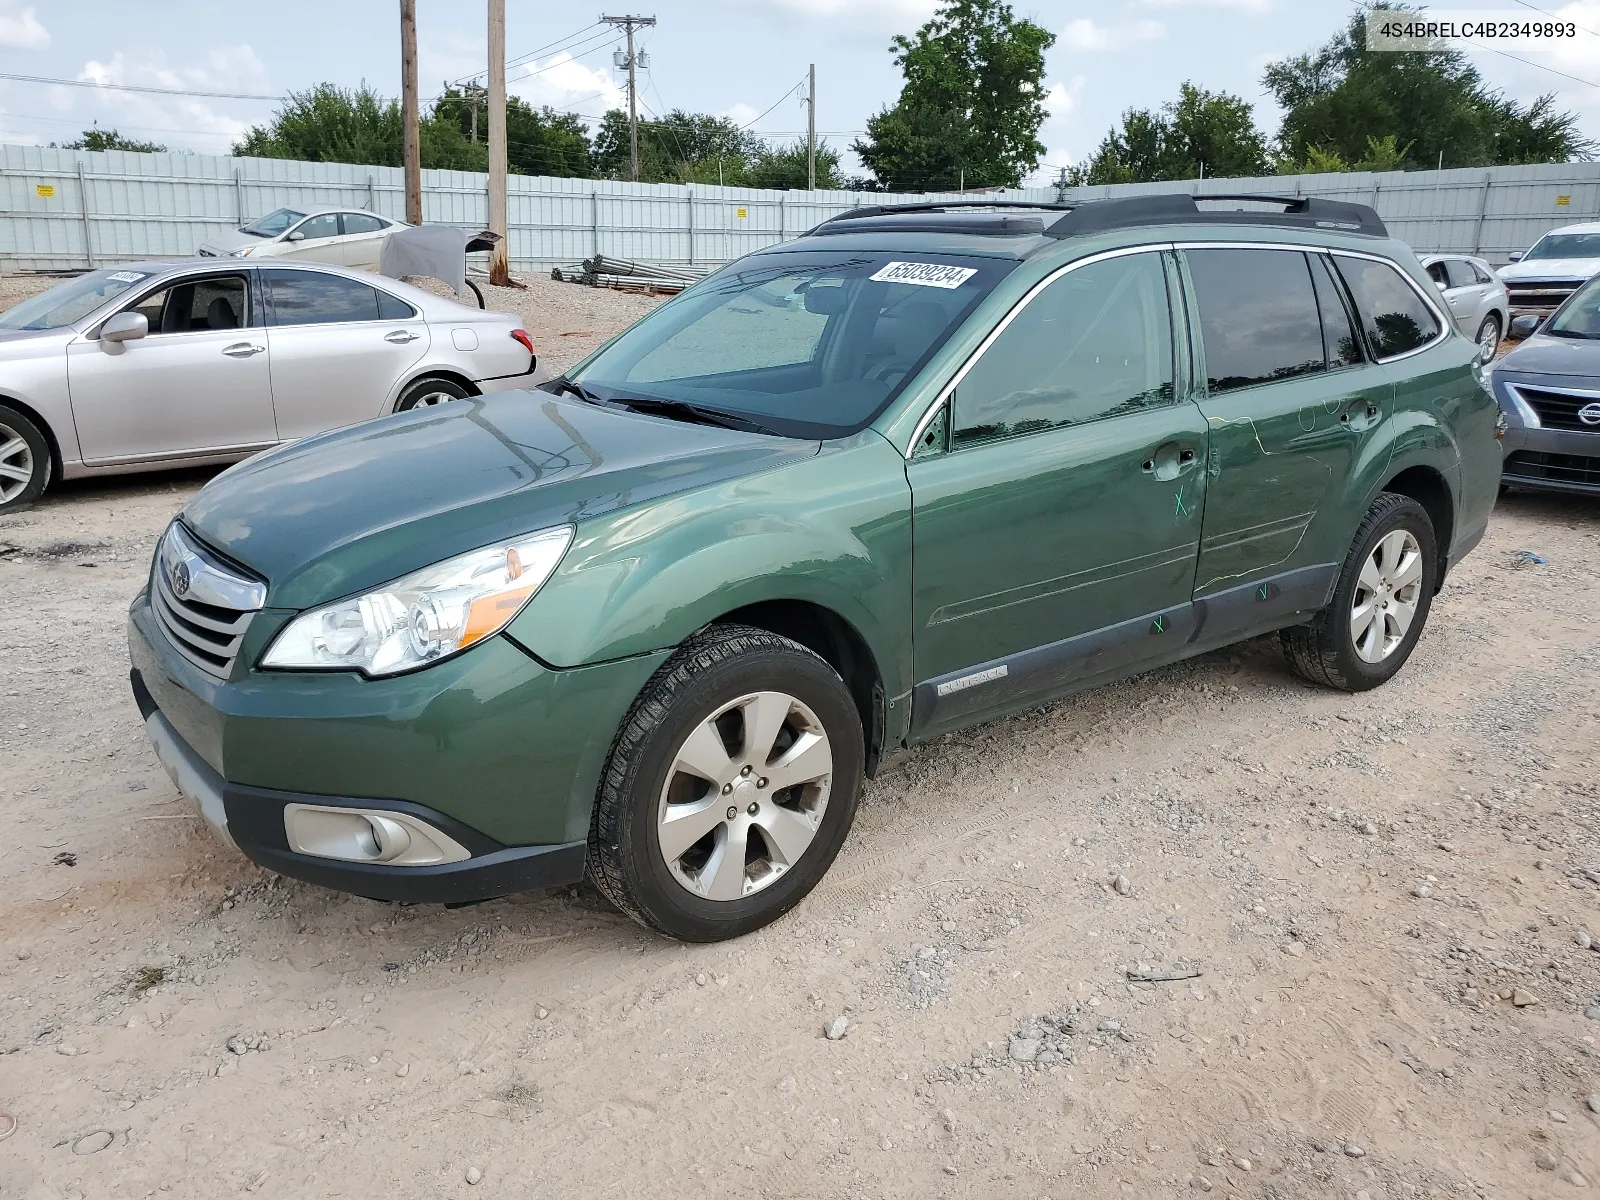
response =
{"points": [[1579, 55], [20, 28], [742, 114], [1239, 5], [563, 82], [900, 16], [1088, 35], [149, 117]]}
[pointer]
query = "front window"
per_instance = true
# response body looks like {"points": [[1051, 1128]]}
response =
{"points": [[273, 224], [70, 301], [807, 344], [1579, 317], [1565, 245]]}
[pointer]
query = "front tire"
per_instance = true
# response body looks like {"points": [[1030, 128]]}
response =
{"points": [[425, 393], [24, 461], [1380, 605], [730, 787]]}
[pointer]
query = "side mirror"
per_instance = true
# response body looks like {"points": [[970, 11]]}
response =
{"points": [[1515, 256], [1441, 285], [124, 327], [297, 236], [1524, 326]]}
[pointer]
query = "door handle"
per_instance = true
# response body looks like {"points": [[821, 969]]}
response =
{"points": [[242, 350], [1360, 414], [1170, 460], [400, 337]]}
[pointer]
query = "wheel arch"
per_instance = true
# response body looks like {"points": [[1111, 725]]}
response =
{"points": [[44, 427], [426, 373], [1428, 487]]}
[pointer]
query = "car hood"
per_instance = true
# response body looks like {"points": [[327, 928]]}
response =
{"points": [[1542, 354], [346, 511], [1550, 268], [222, 243]]}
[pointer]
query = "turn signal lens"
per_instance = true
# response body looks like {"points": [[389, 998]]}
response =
{"points": [[426, 616]]}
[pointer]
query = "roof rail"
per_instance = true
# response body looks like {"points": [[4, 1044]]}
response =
{"points": [[935, 206], [1094, 216]]}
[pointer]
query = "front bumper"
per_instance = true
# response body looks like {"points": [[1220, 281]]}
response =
{"points": [[491, 748], [1544, 459]]}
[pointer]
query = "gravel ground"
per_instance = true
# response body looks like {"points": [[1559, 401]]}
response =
{"points": [[1357, 926]]}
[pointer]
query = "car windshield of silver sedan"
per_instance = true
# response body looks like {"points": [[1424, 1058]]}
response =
{"points": [[273, 223], [807, 344], [1565, 245], [70, 301]]}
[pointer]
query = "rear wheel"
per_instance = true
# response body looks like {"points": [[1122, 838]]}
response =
{"points": [[1488, 338], [24, 461], [425, 393], [730, 787], [1380, 605]]}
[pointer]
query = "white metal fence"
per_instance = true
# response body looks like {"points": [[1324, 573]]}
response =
{"points": [[69, 209]]}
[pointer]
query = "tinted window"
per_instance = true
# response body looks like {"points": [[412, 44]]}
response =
{"points": [[1438, 272], [1392, 314], [1339, 341], [391, 308], [313, 298], [1095, 343], [1258, 316], [1460, 273], [196, 304], [1479, 274], [362, 223], [326, 225]]}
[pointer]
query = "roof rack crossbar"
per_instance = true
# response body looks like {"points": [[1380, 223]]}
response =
{"points": [[1161, 208], [881, 210]]}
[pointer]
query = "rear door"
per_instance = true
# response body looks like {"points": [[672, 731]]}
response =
{"points": [[339, 347], [1289, 399], [1464, 296], [197, 383], [1056, 526], [362, 239]]}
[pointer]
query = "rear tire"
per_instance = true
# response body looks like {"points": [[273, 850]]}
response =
{"points": [[1488, 339], [425, 393], [1380, 605], [25, 464], [731, 843]]}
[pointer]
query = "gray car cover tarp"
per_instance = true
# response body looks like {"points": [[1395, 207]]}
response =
{"points": [[439, 251]]}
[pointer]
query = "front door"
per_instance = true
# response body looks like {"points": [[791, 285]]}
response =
{"points": [[316, 239], [198, 383], [1056, 524], [1290, 398], [339, 347]]}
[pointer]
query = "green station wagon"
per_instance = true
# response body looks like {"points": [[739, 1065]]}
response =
{"points": [[657, 622]]}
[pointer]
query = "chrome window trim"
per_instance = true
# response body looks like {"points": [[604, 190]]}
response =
{"points": [[943, 396]]}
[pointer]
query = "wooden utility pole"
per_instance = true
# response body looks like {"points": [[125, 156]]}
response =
{"points": [[811, 130], [632, 63], [408, 109], [500, 256]]}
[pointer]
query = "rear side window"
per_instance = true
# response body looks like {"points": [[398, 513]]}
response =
{"points": [[315, 298], [391, 308], [1095, 343], [361, 223], [1258, 316], [1393, 315]]}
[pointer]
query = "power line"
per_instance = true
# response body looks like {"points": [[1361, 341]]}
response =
{"points": [[1547, 13], [798, 84], [134, 87]]}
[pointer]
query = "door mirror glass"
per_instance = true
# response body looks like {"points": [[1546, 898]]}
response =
{"points": [[1516, 256], [124, 327]]}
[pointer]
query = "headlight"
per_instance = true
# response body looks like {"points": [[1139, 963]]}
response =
{"points": [[425, 616], [241, 252]]}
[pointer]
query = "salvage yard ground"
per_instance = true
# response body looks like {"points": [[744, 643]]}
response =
{"points": [[1387, 896]]}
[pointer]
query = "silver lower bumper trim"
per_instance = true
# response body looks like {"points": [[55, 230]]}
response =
{"points": [[194, 778]]}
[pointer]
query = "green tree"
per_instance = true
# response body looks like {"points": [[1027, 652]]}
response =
{"points": [[785, 167], [109, 139], [1200, 128], [1344, 99], [971, 106], [539, 141], [681, 147], [330, 124]]}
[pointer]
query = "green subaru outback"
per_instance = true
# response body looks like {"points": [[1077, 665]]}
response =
{"points": [[657, 622]]}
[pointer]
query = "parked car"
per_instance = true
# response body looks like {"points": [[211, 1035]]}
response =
{"points": [[1556, 266], [167, 364], [1477, 299], [920, 468], [1549, 390], [351, 237]]}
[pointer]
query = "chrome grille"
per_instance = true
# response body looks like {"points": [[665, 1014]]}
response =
{"points": [[1540, 295], [202, 606], [1558, 408]]}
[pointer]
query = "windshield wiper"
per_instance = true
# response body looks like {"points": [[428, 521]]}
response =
{"points": [[1569, 333], [562, 384], [698, 412]]}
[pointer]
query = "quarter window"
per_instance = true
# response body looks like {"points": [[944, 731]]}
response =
{"points": [[1258, 316], [1393, 315], [1339, 341], [1095, 343], [316, 298]]}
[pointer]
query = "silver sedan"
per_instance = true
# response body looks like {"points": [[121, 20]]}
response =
{"points": [[1475, 297], [167, 364]]}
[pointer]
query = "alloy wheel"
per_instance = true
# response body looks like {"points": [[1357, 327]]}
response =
{"points": [[1387, 594], [16, 464], [1488, 340], [744, 796], [427, 399]]}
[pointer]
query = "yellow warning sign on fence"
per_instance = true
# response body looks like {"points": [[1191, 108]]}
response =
{"points": [[1563, 201], [740, 213], [45, 191]]}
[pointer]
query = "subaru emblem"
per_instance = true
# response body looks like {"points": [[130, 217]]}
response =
{"points": [[180, 580], [1589, 414]]}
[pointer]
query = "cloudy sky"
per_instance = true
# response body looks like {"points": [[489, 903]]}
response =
{"points": [[741, 58]]}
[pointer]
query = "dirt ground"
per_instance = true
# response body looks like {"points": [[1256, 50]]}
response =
{"points": [[1368, 886]]}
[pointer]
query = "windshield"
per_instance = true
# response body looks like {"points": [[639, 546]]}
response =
{"points": [[1565, 245], [1579, 317], [273, 223], [70, 301], [806, 344]]}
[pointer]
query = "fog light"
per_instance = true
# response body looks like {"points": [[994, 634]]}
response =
{"points": [[394, 839]]}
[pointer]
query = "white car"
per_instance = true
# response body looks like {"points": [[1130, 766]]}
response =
{"points": [[350, 237], [167, 364], [1476, 298], [1557, 265]]}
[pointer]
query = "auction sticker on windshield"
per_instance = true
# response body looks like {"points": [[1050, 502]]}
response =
{"points": [[923, 274], [125, 276]]}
